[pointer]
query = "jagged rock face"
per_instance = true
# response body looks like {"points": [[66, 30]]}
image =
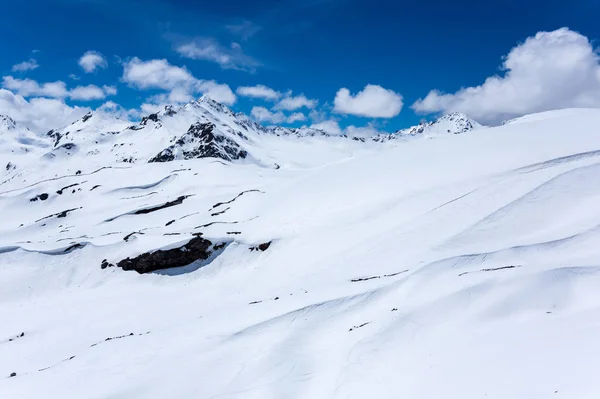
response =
{"points": [[200, 141], [197, 248]]}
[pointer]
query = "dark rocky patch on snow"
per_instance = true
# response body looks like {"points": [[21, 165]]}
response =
{"points": [[169, 204], [356, 280], [40, 197], [221, 212], [62, 214], [492, 269], [59, 192], [261, 247], [218, 204], [200, 141], [359, 326], [197, 248]]}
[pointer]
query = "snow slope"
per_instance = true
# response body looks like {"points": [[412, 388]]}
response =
{"points": [[464, 266]]}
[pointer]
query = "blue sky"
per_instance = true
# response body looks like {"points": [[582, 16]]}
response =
{"points": [[314, 47]]}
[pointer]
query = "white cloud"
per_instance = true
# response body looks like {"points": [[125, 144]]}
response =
{"points": [[332, 126], [208, 49], [91, 92], [296, 117], [74, 77], [155, 74], [58, 89], [90, 61], [217, 91], [25, 66], [258, 91], [373, 101], [550, 70], [113, 109], [29, 87], [262, 114], [39, 114], [329, 126], [109, 90], [362, 132], [292, 103], [159, 74]]}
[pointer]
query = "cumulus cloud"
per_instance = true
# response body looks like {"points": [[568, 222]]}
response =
{"points": [[159, 74], [217, 91], [296, 117], [58, 89], [361, 132], [292, 103], [155, 74], [208, 49], [39, 114], [91, 92], [29, 87], [550, 70], [329, 126], [332, 126], [25, 66], [258, 91], [90, 61], [262, 114], [373, 101]]}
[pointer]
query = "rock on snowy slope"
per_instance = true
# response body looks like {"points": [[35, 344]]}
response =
{"points": [[200, 141]]}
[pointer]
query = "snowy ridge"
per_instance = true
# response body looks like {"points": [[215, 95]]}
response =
{"points": [[314, 267]]}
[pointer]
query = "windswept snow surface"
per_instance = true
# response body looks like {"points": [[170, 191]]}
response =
{"points": [[446, 266]]}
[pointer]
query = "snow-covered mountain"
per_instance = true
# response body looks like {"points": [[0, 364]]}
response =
{"points": [[205, 128], [454, 123], [198, 254]]}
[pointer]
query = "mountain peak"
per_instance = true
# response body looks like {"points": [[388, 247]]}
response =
{"points": [[453, 123], [7, 123]]}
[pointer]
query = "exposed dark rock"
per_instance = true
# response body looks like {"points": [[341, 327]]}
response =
{"points": [[197, 248], [261, 247], [359, 326], [221, 212], [170, 222], [234, 232], [151, 117], [128, 236], [78, 172], [10, 166], [41, 197], [56, 136], [218, 204], [493, 269], [59, 192], [58, 215], [201, 142], [254, 303], [178, 201], [95, 187], [356, 280], [13, 374], [169, 111], [105, 264], [86, 117], [74, 246]]}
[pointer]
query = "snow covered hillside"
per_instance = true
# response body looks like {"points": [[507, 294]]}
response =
{"points": [[197, 254]]}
